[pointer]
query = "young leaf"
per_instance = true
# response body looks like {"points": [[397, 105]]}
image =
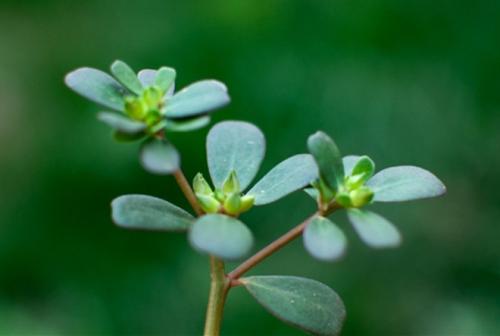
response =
{"points": [[364, 166], [234, 145], [97, 86], [221, 236], [327, 156], [304, 303], [373, 229], [200, 97], [349, 162], [159, 157], [121, 123], [149, 213], [164, 78], [405, 183], [324, 240], [288, 176], [147, 77], [187, 125], [126, 76]]}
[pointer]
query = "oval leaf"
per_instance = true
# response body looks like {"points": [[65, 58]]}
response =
{"points": [[373, 229], [149, 213], [304, 303], [159, 157], [288, 176], [234, 145], [147, 77], [221, 236], [349, 162], [197, 98], [187, 125], [327, 156], [121, 123], [405, 183], [126, 76], [97, 86], [324, 240], [164, 78]]}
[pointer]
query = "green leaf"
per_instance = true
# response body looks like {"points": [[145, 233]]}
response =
{"points": [[349, 162], [147, 77], [327, 156], [97, 86], [149, 213], [126, 76], [288, 176], [164, 78], [405, 183], [313, 193], [121, 123], [159, 157], [234, 145], [324, 240], [221, 236], [187, 125], [373, 229], [304, 303], [364, 166], [197, 98]]}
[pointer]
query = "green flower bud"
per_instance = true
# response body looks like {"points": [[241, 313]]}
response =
{"points": [[355, 181], [208, 203], [361, 196], [200, 185], [219, 195], [232, 204], [343, 199], [246, 203], [231, 184], [135, 108], [152, 96]]}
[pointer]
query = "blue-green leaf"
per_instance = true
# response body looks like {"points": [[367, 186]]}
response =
{"points": [[349, 162], [405, 183], [324, 240], [288, 176], [187, 125], [327, 156], [121, 123], [147, 77], [159, 157], [197, 98], [234, 145], [164, 78], [373, 229], [149, 213], [126, 76], [221, 236], [97, 86], [303, 303]]}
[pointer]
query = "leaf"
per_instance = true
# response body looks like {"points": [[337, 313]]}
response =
{"points": [[288, 176], [149, 213], [164, 78], [324, 240], [221, 236], [97, 86], [234, 145], [373, 229], [304, 303], [121, 123], [159, 157], [349, 162], [313, 193], [187, 125], [147, 77], [364, 166], [126, 76], [405, 183], [197, 98], [327, 156]]}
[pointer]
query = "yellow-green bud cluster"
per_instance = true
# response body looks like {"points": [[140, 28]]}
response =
{"points": [[146, 107], [227, 199]]}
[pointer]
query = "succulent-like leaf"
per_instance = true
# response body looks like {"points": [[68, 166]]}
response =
{"points": [[164, 78], [349, 162], [405, 183], [126, 76], [97, 86], [364, 166], [234, 145], [221, 236], [147, 77], [159, 157], [187, 125], [121, 123], [324, 240], [288, 176], [149, 213], [327, 156], [304, 303], [373, 229], [197, 98]]}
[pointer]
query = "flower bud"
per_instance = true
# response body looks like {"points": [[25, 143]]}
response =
{"points": [[232, 204], [343, 199], [361, 196], [200, 185], [247, 202], [231, 184], [208, 203], [135, 108], [152, 97]]}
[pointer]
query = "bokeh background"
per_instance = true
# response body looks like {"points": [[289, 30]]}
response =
{"points": [[406, 82]]}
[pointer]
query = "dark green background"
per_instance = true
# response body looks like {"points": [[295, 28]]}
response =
{"points": [[406, 82]]}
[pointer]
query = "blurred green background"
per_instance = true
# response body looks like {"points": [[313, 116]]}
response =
{"points": [[406, 82]]}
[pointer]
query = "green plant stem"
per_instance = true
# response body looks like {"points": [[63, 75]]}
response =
{"points": [[219, 287]]}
